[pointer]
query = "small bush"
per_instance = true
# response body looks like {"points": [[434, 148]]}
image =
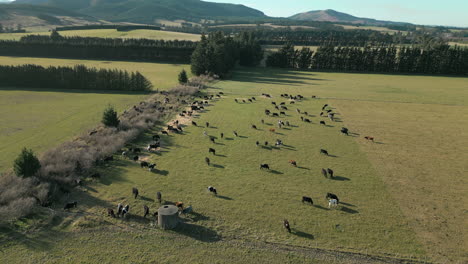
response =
{"points": [[27, 164], [110, 118], [183, 79]]}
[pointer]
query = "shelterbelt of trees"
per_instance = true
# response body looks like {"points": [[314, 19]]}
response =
{"points": [[441, 59], [57, 46], [79, 77]]}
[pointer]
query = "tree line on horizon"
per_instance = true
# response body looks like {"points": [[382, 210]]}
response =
{"points": [[78, 77]]}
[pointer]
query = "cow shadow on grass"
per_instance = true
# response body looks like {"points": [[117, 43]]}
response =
{"points": [[229, 138], [243, 137], [222, 156], [347, 204], [161, 172], [348, 210], [218, 166], [340, 178], [320, 207], [275, 172], [144, 198], [302, 234], [197, 232], [302, 168], [224, 197], [332, 156]]}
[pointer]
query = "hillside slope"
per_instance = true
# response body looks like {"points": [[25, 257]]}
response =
{"points": [[147, 11], [330, 15]]}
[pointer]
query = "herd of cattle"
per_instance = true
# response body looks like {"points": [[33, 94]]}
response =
{"points": [[176, 127]]}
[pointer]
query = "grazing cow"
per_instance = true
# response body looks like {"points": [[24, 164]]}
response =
{"points": [[266, 143], [92, 132], [287, 123], [124, 153], [109, 158], [222, 135], [159, 196], [135, 158], [282, 103], [369, 138], [156, 137], [286, 225], [282, 113], [267, 112], [257, 143], [332, 196], [181, 114], [187, 210], [323, 123], [125, 210], [306, 199], [135, 192], [153, 146], [144, 164], [321, 113], [331, 116], [164, 132], [254, 126], [151, 166], [284, 108], [329, 111], [180, 205], [250, 100], [253, 98], [207, 124], [323, 151], [212, 150], [293, 162], [313, 96], [212, 189], [263, 121], [237, 101], [264, 166], [204, 133], [302, 118], [145, 210], [344, 130], [96, 175], [292, 102], [306, 113], [330, 172], [207, 160], [135, 150], [273, 103], [194, 123], [324, 106], [212, 139], [275, 114], [110, 212], [307, 120], [279, 142], [243, 101], [272, 130], [235, 134], [70, 205], [324, 173], [119, 209], [298, 110], [332, 203]]}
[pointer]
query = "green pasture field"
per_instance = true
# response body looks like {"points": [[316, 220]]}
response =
{"points": [[40, 119], [396, 194], [112, 33]]}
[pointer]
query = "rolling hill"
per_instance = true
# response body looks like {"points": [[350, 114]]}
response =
{"points": [[147, 11], [330, 15]]}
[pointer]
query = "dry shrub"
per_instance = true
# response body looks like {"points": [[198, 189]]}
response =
{"points": [[184, 90], [18, 196], [201, 81]]}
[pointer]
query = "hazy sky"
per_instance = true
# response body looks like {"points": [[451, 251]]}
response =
{"points": [[426, 12]]}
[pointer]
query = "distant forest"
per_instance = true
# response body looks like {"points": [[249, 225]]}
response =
{"points": [[442, 59], [79, 77], [56, 46]]}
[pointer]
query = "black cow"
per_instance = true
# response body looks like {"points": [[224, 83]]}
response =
{"points": [[152, 166], [135, 158], [222, 135], [250, 100], [266, 143], [275, 114], [330, 172], [286, 225], [324, 173], [236, 100], [267, 112], [345, 131], [332, 196], [264, 166], [273, 103], [257, 143], [323, 123], [323, 151], [164, 132], [146, 211], [135, 192], [125, 210], [156, 137], [253, 98], [307, 120], [159, 196], [212, 150], [328, 111], [207, 160], [212, 190], [70, 205], [207, 124], [254, 126], [306, 199], [212, 139], [235, 133], [119, 209], [144, 164], [324, 106], [282, 113], [194, 123], [263, 121], [110, 212]]}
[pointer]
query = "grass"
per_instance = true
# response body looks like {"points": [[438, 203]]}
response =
{"points": [[383, 187], [112, 33]]}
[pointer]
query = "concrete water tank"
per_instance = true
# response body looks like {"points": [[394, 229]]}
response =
{"points": [[168, 216]]}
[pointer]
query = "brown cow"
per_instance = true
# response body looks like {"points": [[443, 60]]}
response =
{"points": [[369, 138], [293, 162]]}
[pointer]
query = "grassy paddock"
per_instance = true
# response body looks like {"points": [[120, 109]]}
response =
{"points": [[385, 206], [112, 33]]}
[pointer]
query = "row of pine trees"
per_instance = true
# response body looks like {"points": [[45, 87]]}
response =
{"points": [[77, 77], [439, 60]]}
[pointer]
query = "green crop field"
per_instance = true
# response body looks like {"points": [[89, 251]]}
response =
{"points": [[42, 119], [112, 33], [397, 194]]}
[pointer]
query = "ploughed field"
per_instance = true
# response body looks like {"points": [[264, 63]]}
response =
{"points": [[396, 193], [112, 33], [40, 119]]}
